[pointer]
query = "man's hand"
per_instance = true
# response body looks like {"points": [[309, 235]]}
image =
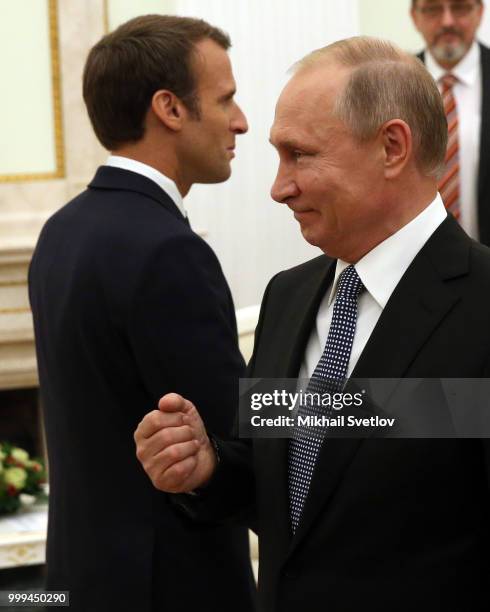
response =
{"points": [[173, 447]]}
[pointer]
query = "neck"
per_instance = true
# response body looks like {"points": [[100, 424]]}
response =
{"points": [[402, 204], [166, 163], [448, 66]]}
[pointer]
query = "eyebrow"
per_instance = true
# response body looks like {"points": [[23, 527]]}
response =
{"points": [[288, 143], [228, 95]]}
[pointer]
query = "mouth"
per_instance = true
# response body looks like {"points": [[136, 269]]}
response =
{"points": [[448, 36], [302, 214], [231, 151]]}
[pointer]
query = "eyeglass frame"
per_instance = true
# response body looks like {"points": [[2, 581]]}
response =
{"points": [[436, 11]]}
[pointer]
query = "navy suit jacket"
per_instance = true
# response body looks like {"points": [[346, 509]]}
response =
{"points": [[129, 304]]}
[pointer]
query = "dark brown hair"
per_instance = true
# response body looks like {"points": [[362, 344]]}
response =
{"points": [[414, 3], [126, 67]]}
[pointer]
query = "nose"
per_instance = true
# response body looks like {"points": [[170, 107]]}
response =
{"points": [[239, 123], [284, 186], [447, 16]]}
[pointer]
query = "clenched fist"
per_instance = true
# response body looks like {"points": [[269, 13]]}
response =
{"points": [[173, 446]]}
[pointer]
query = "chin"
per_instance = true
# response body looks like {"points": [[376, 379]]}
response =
{"points": [[210, 178], [311, 237], [449, 53], [329, 245], [219, 175]]}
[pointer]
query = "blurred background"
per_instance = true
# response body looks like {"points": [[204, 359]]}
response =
{"points": [[48, 154]]}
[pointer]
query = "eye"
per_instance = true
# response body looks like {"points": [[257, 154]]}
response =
{"points": [[298, 154]]}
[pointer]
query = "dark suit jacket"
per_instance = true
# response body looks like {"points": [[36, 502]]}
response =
{"points": [[483, 185], [129, 303], [389, 524]]}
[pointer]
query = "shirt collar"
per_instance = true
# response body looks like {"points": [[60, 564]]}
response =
{"points": [[466, 71], [381, 269], [167, 184]]}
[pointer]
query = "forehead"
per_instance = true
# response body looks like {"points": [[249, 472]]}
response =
{"points": [[427, 2], [307, 100], [212, 66]]}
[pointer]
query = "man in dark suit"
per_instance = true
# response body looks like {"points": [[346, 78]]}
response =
{"points": [[130, 303], [401, 291], [449, 29]]}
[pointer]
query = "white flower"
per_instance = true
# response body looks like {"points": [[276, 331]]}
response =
{"points": [[16, 477], [27, 500], [20, 455]]}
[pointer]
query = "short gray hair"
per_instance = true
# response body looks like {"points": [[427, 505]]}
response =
{"points": [[387, 83]]}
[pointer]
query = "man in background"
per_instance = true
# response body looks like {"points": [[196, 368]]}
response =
{"points": [[129, 303], [461, 67], [400, 292]]}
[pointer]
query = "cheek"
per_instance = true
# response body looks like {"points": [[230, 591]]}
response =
{"points": [[316, 184], [470, 32]]}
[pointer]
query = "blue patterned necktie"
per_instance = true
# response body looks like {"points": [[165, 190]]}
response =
{"points": [[328, 377]]}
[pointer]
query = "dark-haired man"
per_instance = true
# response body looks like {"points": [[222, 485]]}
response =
{"points": [[128, 303], [461, 67]]}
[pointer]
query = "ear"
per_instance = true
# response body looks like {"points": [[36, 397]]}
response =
{"points": [[169, 109], [397, 143]]}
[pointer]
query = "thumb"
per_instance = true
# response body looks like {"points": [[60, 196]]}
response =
{"points": [[172, 402]]}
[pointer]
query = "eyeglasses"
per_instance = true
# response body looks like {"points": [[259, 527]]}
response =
{"points": [[457, 9]]}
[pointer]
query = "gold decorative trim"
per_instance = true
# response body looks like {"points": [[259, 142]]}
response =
{"points": [[13, 283], [14, 310], [52, 6]]}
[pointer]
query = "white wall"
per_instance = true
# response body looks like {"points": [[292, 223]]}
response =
{"points": [[254, 236], [26, 103], [119, 11], [390, 20]]}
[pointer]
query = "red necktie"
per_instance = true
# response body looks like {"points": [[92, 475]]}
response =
{"points": [[449, 187]]}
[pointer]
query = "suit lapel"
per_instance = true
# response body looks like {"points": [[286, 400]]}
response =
{"points": [[417, 306], [483, 213], [305, 309], [302, 310], [111, 178]]}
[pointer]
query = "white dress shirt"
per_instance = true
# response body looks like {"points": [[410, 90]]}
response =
{"points": [[167, 184], [380, 271], [468, 94]]}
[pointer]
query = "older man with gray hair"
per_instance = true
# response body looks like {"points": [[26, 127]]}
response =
{"points": [[461, 67], [400, 292]]}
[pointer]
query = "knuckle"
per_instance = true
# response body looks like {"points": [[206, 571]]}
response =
{"points": [[174, 453], [158, 483], [141, 452], [148, 469], [180, 471], [154, 418], [188, 432], [167, 436]]}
